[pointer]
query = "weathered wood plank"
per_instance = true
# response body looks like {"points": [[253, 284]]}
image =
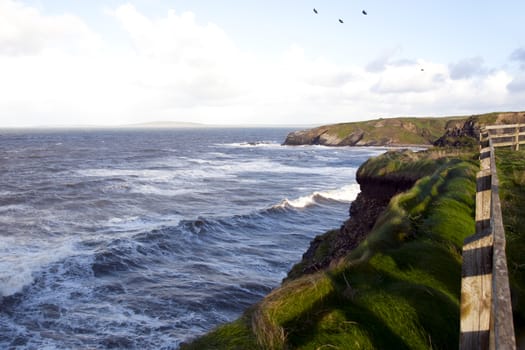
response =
{"points": [[503, 144], [483, 200], [479, 260], [476, 298], [507, 134], [483, 239], [502, 126], [474, 340], [502, 330], [484, 158], [517, 140], [476, 294], [475, 303]]}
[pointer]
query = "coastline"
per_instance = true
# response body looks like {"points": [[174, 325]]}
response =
{"points": [[349, 272], [378, 280]]}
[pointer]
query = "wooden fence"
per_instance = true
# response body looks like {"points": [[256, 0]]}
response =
{"points": [[486, 310], [506, 135]]}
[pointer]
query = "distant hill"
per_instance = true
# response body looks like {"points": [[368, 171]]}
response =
{"points": [[165, 124], [400, 131]]}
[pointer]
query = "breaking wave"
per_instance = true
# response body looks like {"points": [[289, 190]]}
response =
{"points": [[344, 194]]}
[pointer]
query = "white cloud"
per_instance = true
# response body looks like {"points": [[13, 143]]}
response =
{"points": [[177, 38], [200, 63], [518, 55], [25, 31], [381, 62], [480, 94], [517, 84], [467, 68], [181, 69], [409, 78], [177, 65]]}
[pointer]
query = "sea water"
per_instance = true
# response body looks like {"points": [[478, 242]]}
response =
{"points": [[147, 238]]}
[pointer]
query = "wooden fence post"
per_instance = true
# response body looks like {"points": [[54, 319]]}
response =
{"points": [[517, 148]]}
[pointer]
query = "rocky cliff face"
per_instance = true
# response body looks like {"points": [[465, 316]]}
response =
{"points": [[373, 199], [323, 136], [460, 133], [305, 137]]}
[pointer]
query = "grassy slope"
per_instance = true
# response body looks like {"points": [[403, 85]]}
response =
{"points": [[399, 289], [410, 130], [511, 173], [400, 130]]}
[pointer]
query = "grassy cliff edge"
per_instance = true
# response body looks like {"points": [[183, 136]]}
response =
{"points": [[399, 288]]}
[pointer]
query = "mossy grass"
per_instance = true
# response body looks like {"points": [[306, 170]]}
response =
{"points": [[511, 175], [399, 289], [413, 165], [235, 335]]}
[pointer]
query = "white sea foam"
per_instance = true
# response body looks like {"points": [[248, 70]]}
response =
{"points": [[200, 161], [268, 144], [344, 194], [150, 174], [21, 260], [150, 189], [158, 176], [14, 207], [199, 169], [136, 223], [269, 166]]}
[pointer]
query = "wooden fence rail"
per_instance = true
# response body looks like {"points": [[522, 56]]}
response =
{"points": [[507, 135], [486, 310]]}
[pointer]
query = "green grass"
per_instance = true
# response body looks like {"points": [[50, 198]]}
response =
{"points": [[399, 130], [399, 289], [411, 165], [236, 335], [511, 174]]}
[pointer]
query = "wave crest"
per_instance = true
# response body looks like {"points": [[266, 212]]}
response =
{"points": [[344, 194], [20, 263]]}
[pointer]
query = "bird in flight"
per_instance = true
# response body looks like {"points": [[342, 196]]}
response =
{"points": [[315, 11], [341, 21], [364, 12]]}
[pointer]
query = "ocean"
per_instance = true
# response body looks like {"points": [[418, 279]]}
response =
{"points": [[142, 239]]}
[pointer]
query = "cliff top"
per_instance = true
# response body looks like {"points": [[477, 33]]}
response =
{"points": [[401, 131]]}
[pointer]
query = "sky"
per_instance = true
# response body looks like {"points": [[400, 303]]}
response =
{"points": [[78, 62]]}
